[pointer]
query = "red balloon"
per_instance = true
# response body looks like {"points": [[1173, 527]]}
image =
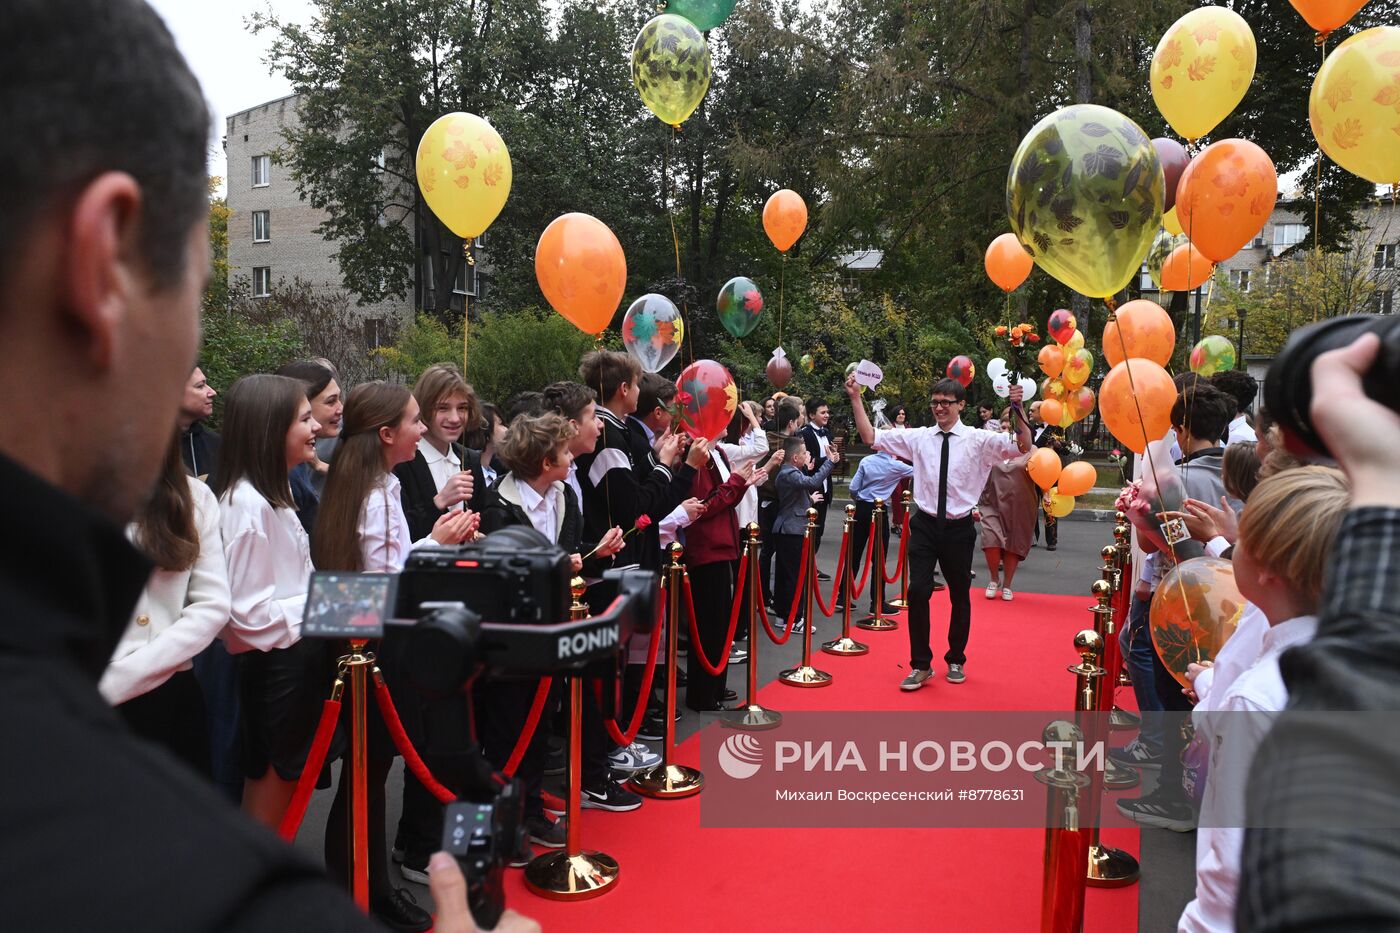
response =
{"points": [[1062, 326], [1174, 159], [706, 398], [961, 369]]}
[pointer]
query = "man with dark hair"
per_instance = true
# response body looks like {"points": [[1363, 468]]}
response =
{"points": [[951, 464], [104, 257], [523, 403], [818, 441], [1242, 389]]}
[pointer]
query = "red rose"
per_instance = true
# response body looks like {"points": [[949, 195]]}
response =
{"points": [[643, 522]]}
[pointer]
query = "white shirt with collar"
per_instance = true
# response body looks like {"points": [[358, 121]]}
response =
{"points": [[572, 480], [442, 466], [269, 568], [1240, 430], [384, 539], [540, 510], [1235, 736], [972, 453]]}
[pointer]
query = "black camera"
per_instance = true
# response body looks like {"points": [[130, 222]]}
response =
{"points": [[1288, 389]]}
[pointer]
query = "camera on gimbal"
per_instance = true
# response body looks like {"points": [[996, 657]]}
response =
{"points": [[500, 605]]}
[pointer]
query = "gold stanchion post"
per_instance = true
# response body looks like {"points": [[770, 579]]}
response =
{"points": [[903, 601], [573, 874], [805, 675], [1104, 867], [1062, 884], [877, 621], [668, 780], [358, 663], [752, 715], [846, 645], [1116, 776]]}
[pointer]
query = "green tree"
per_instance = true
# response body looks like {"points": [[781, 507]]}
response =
{"points": [[523, 350], [216, 292]]}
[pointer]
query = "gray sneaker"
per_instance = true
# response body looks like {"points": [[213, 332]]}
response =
{"points": [[955, 674], [915, 680]]}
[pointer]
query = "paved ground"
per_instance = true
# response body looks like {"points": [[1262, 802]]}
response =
{"points": [[1167, 858]]}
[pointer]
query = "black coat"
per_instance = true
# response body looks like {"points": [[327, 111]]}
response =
{"points": [[502, 508], [199, 448], [100, 828], [416, 489]]}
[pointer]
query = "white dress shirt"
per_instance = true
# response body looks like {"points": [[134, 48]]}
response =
{"points": [[972, 453], [572, 480], [750, 449], [442, 466], [1241, 431], [384, 540], [540, 510], [1234, 737], [180, 612], [269, 567], [1237, 654]]}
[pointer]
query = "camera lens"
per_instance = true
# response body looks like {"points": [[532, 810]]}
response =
{"points": [[1288, 388]]}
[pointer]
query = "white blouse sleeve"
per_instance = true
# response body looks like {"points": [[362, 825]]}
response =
{"points": [[258, 619], [378, 543], [205, 613]]}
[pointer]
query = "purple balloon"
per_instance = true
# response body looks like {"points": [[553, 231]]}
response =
{"points": [[1174, 160]]}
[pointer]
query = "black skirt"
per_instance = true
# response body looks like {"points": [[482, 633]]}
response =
{"points": [[172, 715], [283, 692]]}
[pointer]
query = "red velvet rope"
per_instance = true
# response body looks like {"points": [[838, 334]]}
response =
{"points": [[796, 597], [390, 714], [869, 561], [635, 724], [714, 670], [903, 551], [825, 609], [528, 733], [315, 761]]}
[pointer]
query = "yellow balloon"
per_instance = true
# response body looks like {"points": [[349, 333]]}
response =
{"points": [[464, 172], [1171, 223], [671, 67], [1355, 105], [1074, 344], [1202, 68], [1059, 505]]}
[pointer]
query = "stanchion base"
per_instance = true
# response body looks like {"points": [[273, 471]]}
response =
{"points": [[877, 624], [753, 718], [1120, 720], [805, 677], [1124, 678], [1111, 868], [845, 646], [563, 877], [898, 603], [1120, 777], [667, 781]]}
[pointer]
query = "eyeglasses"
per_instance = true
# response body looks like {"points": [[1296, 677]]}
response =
{"points": [[942, 403]]}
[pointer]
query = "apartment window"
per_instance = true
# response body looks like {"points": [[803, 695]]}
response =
{"points": [[1385, 255], [262, 226], [377, 161], [262, 281], [1385, 302], [262, 171], [1286, 235], [376, 333], [466, 283], [1257, 242], [1240, 279]]}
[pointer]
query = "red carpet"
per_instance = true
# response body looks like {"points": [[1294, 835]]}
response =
{"points": [[679, 877]]}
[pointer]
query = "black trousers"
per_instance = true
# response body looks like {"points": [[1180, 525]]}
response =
{"points": [[767, 513], [951, 551], [712, 588], [173, 716], [440, 728], [502, 710], [1173, 741], [821, 508], [860, 536], [789, 554]]}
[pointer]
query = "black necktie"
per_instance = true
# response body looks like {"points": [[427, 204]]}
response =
{"points": [[943, 481]]}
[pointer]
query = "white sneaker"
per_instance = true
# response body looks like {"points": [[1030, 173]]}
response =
{"points": [[992, 589], [635, 757], [1006, 595]]}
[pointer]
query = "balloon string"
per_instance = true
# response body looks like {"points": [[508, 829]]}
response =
{"points": [[1317, 204], [466, 305], [676, 242], [782, 281]]}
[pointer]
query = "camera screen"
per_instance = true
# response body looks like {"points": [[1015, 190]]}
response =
{"points": [[348, 605]]}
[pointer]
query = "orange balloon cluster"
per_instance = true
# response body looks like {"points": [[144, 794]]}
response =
{"points": [[581, 270], [1007, 262], [785, 218], [1144, 328], [1136, 401], [1225, 197]]}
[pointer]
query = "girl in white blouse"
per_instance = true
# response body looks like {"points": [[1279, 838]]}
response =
{"points": [[268, 430], [361, 526], [183, 608]]}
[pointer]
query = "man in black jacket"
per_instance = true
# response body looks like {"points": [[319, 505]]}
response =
{"points": [[818, 440], [102, 264]]}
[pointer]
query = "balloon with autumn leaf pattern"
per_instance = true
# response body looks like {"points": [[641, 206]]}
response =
{"points": [[1354, 108], [1051, 359], [706, 398], [740, 305], [1194, 612], [1084, 194], [671, 67], [784, 218], [1226, 195], [581, 270], [1061, 325], [1202, 69], [464, 172], [1144, 328], [652, 331]]}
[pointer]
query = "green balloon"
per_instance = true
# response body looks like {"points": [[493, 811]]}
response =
{"points": [[705, 14], [1212, 355], [1084, 195], [740, 305], [1162, 247], [671, 67]]}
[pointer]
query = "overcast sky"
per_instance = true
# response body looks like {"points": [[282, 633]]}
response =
{"points": [[227, 59]]}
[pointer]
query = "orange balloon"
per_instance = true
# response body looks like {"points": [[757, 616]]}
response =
{"points": [[581, 270], [1051, 411], [1225, 197], [1007, 262], [1078, 405], [1044, 467], [1136, 402], [1112, 346], [785, 218], [1185, 268], [1326, 15], [1051, 359], [1146, 328], [1077, 478]]}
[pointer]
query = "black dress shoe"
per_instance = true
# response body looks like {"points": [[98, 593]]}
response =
{"points": [[400, 911], [729, 696], [939, 585], [681, 679], [823, 575]]}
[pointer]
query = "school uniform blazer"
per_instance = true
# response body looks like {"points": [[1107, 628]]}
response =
{"points": [[418, 488], [714, 536], [504, 507], [795, 490]]}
